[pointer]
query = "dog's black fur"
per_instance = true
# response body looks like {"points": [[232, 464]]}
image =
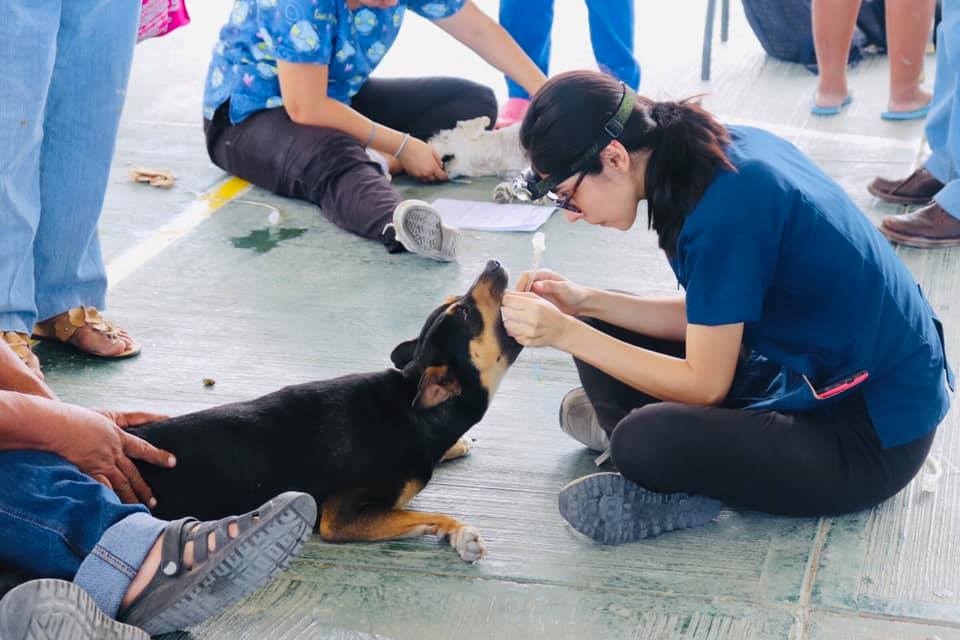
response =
{"points": [[363, 445]]}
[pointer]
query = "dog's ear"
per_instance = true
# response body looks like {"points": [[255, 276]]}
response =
{"points": [[437, 385], [403, 353]]}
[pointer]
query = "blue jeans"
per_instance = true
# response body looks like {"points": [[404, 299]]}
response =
{"points": [[943, 121], [56, 522], [66, 64], [611, 33]]}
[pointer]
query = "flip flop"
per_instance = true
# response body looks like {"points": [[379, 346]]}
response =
{"points": [[831, 111], [916, 114]]}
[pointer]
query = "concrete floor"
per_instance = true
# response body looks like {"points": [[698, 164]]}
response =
{"points": [[220, 293]]}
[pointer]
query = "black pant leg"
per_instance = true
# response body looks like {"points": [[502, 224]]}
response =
{"points": [[611, 398], [424, 106], [815, 463]]}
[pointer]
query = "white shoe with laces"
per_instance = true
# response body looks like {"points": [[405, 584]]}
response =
{"points": [[418, 227]]}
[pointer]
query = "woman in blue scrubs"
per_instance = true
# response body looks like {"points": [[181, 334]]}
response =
{"points": [[802, 373]]}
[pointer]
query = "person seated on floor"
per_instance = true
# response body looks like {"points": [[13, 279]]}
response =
{"points": [[801, 373], [290, 106], [70, 509]]}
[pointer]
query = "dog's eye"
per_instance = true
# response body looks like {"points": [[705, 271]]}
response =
{"points": [[465, 312]]}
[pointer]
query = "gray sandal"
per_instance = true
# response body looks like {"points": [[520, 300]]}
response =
{"points": [[612, 510], [43, 609], [179, 598]]}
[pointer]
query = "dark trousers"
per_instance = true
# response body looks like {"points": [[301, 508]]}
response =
{"points": [[330, 168], [816, 463]]}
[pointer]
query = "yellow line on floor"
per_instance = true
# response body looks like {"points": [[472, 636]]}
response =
{"points": [[195, 213]]}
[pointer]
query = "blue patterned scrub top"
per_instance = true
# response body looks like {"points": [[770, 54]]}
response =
{"points": [[324, 32]]}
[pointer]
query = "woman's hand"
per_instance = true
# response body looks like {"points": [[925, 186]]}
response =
{"points": [[567, 296], [422, 161], [534, 321], [96, 443]]}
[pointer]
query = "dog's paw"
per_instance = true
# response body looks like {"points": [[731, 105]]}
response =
{"points": [[469, 545], [459, 449]]}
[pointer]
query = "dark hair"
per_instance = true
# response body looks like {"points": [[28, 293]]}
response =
{"points": [[568, 113]]}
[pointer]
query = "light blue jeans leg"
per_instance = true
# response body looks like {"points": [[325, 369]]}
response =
{"points": [[87, 90], [611, 33], [943, 121], [530, 23], [28, 36]]}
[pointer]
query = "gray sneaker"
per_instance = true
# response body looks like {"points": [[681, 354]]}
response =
{"points": [[578, 419], [612, 510], [45, 609], [418, 227]]}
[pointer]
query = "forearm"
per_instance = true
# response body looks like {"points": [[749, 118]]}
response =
{"points": [[17, 376], [327, 112], [29, 422], [490, 41], [664, 377], [664, 318]]}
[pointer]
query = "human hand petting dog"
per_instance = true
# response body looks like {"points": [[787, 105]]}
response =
{"points": [[95, 441], [422, 161]]}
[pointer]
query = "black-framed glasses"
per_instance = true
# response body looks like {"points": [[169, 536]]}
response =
{"points": [[564, 202]]}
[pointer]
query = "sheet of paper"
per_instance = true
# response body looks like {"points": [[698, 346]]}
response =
{"points": [[489, 216]]}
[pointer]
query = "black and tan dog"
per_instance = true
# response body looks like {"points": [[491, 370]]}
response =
{"points": [[363, 445]]}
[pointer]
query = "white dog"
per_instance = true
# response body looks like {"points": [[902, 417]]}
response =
{"points": [[471, 150]]}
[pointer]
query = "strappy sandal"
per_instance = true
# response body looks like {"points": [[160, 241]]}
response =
{"points": [[62, 328], [20, 343], [267, 540]]}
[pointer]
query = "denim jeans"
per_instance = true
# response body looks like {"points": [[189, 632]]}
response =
{"points": [[943, 121], [64, 79], [611, 34], [56, 522]]}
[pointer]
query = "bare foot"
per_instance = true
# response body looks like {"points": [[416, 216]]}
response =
{"points": [[89, 340], [910, 100], [830, 98]]}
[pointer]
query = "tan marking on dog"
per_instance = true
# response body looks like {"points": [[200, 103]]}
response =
{"points": [[485, 349], [410, 489]]}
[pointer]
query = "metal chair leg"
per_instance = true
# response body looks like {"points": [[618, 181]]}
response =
{"points": [[707, 41]]}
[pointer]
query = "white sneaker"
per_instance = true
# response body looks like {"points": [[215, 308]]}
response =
{"points": [[419, 228], [578, 419]]}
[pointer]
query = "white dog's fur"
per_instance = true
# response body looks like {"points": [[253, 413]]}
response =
{"points": [[478, 152]]}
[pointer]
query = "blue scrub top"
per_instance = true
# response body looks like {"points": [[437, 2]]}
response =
{"points": [[779, 246], [324, 32]]}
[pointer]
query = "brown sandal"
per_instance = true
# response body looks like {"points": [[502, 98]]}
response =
{"points": [[63, 327], [20, 343]]}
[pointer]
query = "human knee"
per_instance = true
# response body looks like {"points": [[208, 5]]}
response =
{"points": [[644, 445]]}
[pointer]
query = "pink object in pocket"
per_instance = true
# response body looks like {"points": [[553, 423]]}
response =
{"points": [[160, 17]]}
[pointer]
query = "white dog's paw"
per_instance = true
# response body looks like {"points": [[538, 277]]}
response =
{"points": [[468, 543]]}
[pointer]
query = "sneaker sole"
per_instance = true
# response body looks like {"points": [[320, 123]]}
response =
{"points": [[424, 228], [60, 610], [613, 510], [251, 565]]}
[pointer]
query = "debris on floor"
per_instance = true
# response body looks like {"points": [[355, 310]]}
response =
{"points": [[154, 177]]}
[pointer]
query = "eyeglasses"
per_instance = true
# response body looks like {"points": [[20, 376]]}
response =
{"points": [[564, 202], [528, 187]]}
